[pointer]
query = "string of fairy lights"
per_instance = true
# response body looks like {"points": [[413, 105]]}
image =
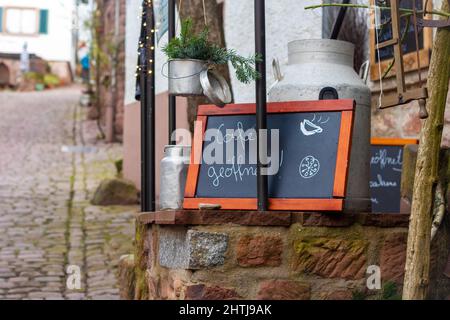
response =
{"points": [[150, 63]]}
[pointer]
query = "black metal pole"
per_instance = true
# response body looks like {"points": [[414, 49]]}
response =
{"points": [[339, 20], [261, 102], [147, 83], [172, 99]]}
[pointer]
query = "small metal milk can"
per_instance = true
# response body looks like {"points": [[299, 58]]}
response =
{"points": [[174, 168]]}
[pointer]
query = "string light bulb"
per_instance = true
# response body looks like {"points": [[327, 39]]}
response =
{"points": [[144, 44]]}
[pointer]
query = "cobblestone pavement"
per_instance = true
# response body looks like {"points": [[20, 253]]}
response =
{"points": [[46, 221]]}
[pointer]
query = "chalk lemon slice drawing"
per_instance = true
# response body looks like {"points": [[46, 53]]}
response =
{"points": [[309, 167]]}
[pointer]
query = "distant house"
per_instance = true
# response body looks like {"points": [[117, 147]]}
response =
{"points": [[47, 28]]}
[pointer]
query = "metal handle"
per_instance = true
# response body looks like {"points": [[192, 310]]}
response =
{"points": [[184, 77], [364, 71], [277, 75]]}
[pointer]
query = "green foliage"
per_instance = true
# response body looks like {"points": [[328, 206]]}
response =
{"points": [[51, 80], [119, 166], [196, 46], [390, 291], [358, 295], [47, 79], [34, 76]]}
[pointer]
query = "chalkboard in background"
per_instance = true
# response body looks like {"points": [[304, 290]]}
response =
{"points": [[386, 173], [314, 150]]}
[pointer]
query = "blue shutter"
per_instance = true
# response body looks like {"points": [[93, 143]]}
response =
{"points": [[1, 19], [43, 21]]}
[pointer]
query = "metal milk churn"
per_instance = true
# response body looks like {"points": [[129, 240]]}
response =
{"points": [[174, 168], [317, 64]]}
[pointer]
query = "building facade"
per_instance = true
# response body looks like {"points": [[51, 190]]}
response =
{"points": [[46, 26], [47, 29]]}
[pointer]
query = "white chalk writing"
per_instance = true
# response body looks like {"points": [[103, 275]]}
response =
{"points": [[380, 183]]}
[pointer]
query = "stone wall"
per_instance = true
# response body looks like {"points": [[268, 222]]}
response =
{"points": [[11, 68], [197, 255]]}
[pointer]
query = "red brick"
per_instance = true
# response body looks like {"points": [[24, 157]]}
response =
{"points": [[167, 290], [259, 250], [252, 218], [203, 292], [392, 257], [385, 220], [153, 287], [283, 290], [327, 220], [330, 257], [339, 295]]}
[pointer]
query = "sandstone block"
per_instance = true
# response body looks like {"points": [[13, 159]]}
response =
{"points": [[283, 290], [203, 292], [330, 257], [341, 294], [259, 250], [393, 257], [126, 277]]}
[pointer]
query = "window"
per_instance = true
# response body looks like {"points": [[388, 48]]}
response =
{"points": [[27, 21], [21, 21]]}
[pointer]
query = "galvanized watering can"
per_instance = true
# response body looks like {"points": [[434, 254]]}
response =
{"points": [[191, 77]]}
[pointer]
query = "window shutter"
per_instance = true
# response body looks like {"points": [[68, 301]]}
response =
{"points": [[1, 19], [43, 21]]}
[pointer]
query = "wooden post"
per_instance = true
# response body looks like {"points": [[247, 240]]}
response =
{"points": [[417, 266]]}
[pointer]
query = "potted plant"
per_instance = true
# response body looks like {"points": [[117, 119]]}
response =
{"points": [[191, 54]]}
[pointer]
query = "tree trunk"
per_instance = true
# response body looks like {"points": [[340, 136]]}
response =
{"points": [[418, 250], [214, 19]]}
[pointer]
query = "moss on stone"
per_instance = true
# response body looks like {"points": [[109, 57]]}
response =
{"points": [[127, 279], [390, 291], [115, 192], [140, 270]]}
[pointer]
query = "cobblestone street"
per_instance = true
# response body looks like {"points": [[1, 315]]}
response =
{"points": [[46, 181]]}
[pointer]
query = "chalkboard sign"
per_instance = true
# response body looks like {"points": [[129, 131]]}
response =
{"points": [[386, 54], [386, 173], [309, 172]]}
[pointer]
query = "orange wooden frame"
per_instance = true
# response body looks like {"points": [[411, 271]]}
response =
{"points": [[346, 107], [409, 59], [392, 141]]}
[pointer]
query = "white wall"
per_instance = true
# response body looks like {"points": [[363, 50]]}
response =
{"points": [[132, 32], [286, 20], [57, 44]]}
